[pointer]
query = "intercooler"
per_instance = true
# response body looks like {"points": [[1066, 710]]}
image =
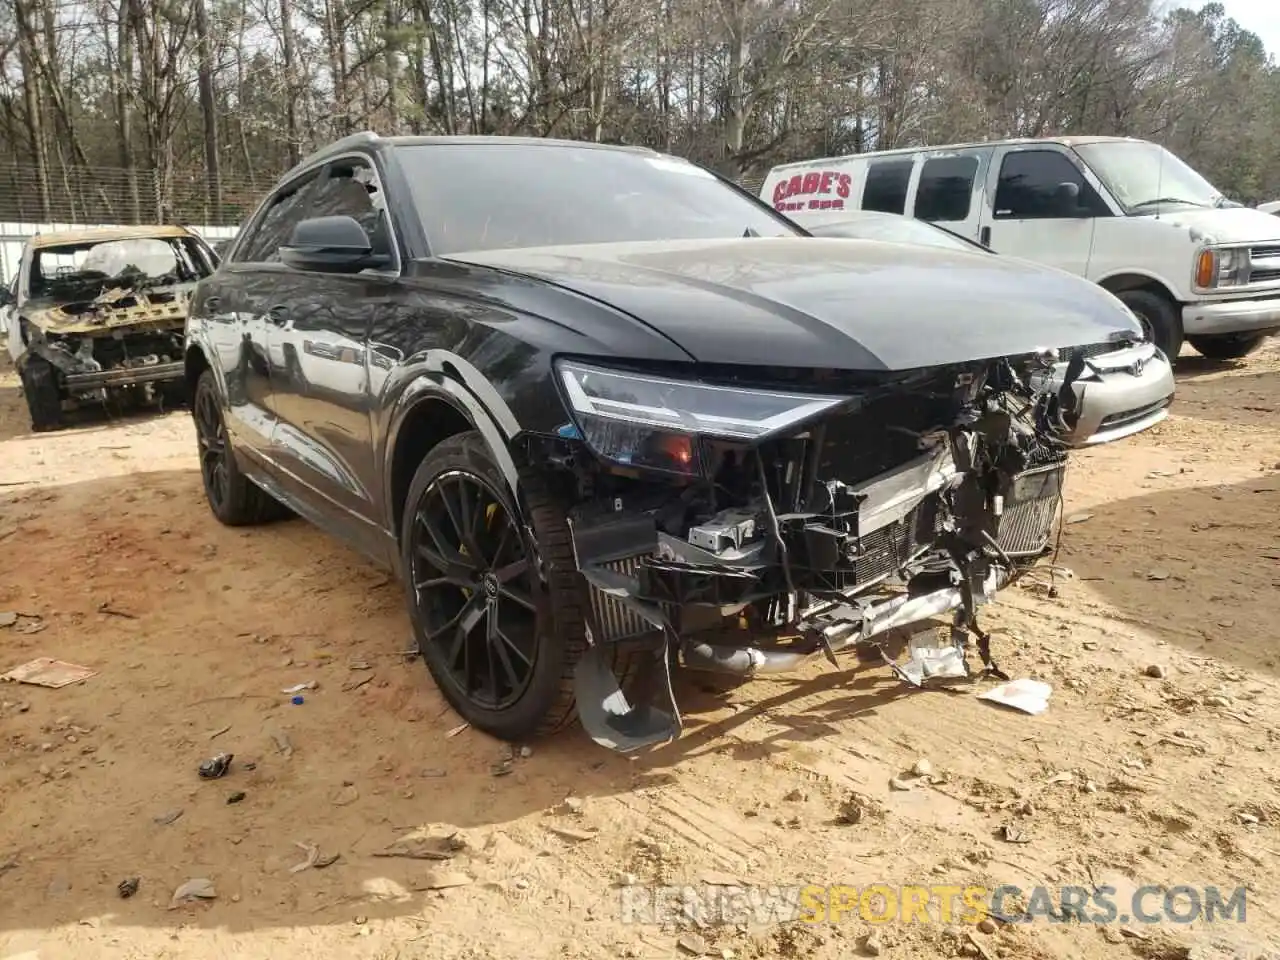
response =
{"points": [[611, 620]]}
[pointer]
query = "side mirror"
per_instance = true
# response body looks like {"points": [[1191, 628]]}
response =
{"points": [[331, 245], [6, 298]]}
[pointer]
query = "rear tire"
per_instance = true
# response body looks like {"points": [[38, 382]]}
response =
{"points": [[43, 396], [546, 703], [1159, 319], [234, 499], [1227, 346]]}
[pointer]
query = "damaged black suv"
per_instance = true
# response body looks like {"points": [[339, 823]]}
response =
{"points": [[606, 414]]}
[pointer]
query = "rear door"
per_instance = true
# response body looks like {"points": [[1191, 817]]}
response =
{"points": [[1028, 217]]}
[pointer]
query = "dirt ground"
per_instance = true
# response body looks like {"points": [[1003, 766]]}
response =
{"points": [[112, 560]]}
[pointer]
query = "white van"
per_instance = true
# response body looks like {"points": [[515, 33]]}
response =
{"points": [[1125, 213]]}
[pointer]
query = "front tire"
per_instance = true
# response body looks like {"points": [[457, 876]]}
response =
{"points": [[1227, 346], [498, 614], [235, 500], [43, 396], [1159, 318]]}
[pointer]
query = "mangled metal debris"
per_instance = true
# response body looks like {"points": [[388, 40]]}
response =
{"points": [[911, 501]]}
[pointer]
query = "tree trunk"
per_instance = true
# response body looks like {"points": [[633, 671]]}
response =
{"points": [[208, 110]]}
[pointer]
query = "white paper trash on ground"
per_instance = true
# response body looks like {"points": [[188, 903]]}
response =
{"points": [[47, 672], [1029, 696]]}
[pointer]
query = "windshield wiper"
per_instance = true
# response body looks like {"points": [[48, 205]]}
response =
{"points": [[1159, 200]]}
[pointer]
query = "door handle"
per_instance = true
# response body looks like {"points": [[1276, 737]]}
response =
{"points": [[279, 314], [984, 236], [212, 303]]}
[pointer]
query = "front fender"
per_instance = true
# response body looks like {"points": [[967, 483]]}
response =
{"points": [[472, 396]]}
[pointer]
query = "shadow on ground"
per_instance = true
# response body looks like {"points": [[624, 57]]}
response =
{"points": [[197, 631], [1198, 566]]}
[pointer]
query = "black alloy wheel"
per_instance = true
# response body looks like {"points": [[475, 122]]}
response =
{"points": [[234, 499], [473, 584], [211, 436]]}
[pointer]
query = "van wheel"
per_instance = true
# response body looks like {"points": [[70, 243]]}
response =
{"points": [[44, 398], [1159, 319], [1227, 346]]}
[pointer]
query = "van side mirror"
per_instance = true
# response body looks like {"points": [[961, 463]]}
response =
{"points": [[6, 298]]}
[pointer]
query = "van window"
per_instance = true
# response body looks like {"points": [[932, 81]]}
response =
{"points": [[945, 188], [886, 186], [1029, 188]]}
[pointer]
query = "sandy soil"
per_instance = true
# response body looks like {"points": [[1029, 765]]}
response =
{"points": [[111, 557]]}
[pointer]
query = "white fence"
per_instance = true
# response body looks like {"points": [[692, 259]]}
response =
{"points": [[14, 235]]}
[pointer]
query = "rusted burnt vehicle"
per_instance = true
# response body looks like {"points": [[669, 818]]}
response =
{"points": [[98, 315], [606, 415]]}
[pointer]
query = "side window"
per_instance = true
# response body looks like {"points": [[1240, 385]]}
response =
{"points": [[946, 188], [1032, 187], [351, 189], [273, 230], [886, 186]]}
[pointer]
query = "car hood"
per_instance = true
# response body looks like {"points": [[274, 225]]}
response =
{"points": [[117, 309], [828, 303], [1225, 225]]}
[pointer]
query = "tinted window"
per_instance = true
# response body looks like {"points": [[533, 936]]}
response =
{"points": [[501, 196], [886, 186], [275, 227], [945, 188], [1029, 187]]}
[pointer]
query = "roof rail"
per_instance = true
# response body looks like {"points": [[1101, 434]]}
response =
{"points": [[362, 138]]}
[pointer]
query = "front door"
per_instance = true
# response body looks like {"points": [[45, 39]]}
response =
{"points": [[1043, 208], [320, 370]]}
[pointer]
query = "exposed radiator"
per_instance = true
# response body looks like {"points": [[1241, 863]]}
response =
{"points": [[1029, 509]]}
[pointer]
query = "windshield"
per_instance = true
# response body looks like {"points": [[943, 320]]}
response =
{"points": [[897, 230], [84, 269], [501, 196], [1145, 176]]}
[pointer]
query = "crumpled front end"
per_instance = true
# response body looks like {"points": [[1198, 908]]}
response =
{"points": [[125, 338], [745, 530]]}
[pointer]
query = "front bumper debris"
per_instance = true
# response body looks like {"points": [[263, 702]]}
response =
{"points": [[124, 377], [907, 565]]}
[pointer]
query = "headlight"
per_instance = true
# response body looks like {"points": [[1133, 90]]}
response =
{"points": [[656, 423], [1221, 268]]}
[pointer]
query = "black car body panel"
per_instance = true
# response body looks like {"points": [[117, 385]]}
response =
{"points": [[826, 303], [692, 433]]}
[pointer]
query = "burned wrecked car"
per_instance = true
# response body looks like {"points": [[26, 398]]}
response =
{"points": [[99, 314], [606, 418]]}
